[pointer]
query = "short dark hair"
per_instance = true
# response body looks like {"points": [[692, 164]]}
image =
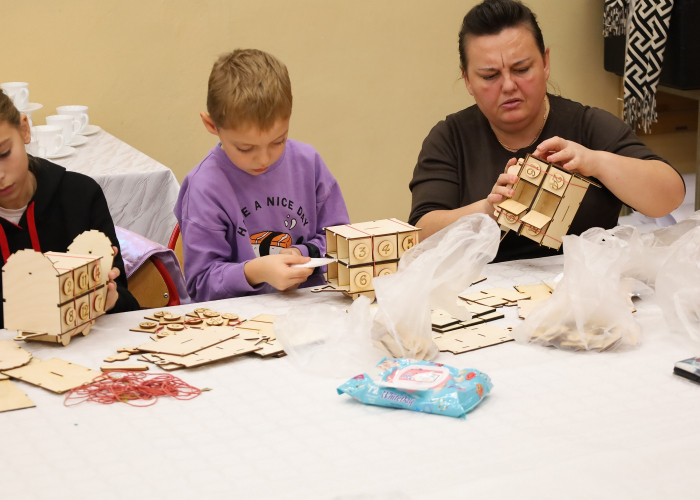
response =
{"points": [[491, 17]]}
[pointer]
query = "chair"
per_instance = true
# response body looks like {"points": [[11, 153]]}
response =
{"points": [[152, 285], [175, 244]]}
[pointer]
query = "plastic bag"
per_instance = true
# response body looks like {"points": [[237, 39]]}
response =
{"points": [[420, 386], [649, 251], [326, 340], [678, 285], [430, 276], [329, 341], [587, 310]]}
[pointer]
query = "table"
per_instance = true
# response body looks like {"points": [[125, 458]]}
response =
{"points": [[141, 193], [556, 425]]}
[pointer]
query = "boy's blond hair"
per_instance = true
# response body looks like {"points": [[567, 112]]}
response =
{"points": [[249, 87]]}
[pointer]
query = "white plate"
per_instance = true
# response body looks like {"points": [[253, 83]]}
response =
{"points": [[61, 153], [32, 106], [89, 130], [78, 140]]}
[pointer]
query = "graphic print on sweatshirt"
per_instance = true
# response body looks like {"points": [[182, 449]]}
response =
{"points": [[272, 238]]}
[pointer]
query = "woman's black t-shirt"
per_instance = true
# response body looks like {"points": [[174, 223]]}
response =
{"points": [[461, 160]]}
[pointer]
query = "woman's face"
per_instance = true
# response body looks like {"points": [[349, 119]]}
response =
{"points": [[15, 179], [507, 76]]}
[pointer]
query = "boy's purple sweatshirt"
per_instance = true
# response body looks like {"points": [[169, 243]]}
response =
{"points": [[228, 217]]}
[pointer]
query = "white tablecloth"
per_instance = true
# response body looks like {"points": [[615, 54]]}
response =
{"points": [[140, 192], [556, 425]]}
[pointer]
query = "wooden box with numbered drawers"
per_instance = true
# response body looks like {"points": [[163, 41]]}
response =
{"points": [[366, 250], [544, 203], [54, 296]]}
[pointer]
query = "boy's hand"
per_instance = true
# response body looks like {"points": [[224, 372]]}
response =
{"points": [[276, 270], [290, 251]]}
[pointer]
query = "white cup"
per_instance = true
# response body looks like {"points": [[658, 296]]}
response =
{"points": [[49, 139], [77, 112], [69, 124], [18, 92]]}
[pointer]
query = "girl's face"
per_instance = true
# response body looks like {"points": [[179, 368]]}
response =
{"points": [[507, 76], [16, 182]]}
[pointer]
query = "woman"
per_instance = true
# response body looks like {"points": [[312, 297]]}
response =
{"points": [[44, 207], [505, 67]]}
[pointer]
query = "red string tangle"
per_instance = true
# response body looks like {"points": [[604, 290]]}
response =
{"points": [[132, 388]]}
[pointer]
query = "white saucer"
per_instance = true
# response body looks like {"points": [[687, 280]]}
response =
{"points": [[32, 106], [78, 140], [61, 153], [89, 130]]}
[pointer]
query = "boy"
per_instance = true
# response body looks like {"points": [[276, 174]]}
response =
{"points": [[258, 203]]}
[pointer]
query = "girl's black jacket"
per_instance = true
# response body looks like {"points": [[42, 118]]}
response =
{"points": [[65, 204]]}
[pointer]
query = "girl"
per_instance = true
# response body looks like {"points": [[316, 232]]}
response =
{"points": [[44, 207]]}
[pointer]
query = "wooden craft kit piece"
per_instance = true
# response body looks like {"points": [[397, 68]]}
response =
{"points": [[448, 324], [441, 319], [204, 337], [131, 368], [545, 201], [130, 350], [536, 292], [471, 338], [479, 309], [145, 327], [509, 295], [12, 398], [189, 341], [227, 349], [363, 251], [492, 302], [260, 331], [54, 375], [12, 355], [54, 296], [122, 356]]}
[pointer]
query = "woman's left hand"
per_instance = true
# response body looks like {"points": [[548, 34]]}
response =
{"points": [[112, 293], [570, 155]]}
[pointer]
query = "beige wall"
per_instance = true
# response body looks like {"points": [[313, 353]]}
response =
{"points": [[370, 77]]}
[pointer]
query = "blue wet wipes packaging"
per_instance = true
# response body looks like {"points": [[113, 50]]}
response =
{"points": [[420, 386]]}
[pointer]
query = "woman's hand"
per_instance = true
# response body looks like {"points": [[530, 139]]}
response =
{"points": [[112, 293], [570, 155], [501, 191]]}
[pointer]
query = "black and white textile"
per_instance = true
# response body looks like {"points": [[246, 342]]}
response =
{"points": [[646, 23]]}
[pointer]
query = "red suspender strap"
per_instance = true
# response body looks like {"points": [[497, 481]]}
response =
{"points": [[3, 245], [32, 228]]}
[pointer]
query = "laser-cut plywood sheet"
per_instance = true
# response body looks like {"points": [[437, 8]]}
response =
{"points": [[471, 338], [54, 375], [12, 355], [12, 397], [188, 341]]}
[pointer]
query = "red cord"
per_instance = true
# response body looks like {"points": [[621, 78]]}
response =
{"points": [[129, 387]]}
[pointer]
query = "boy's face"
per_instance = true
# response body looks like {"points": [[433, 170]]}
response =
{"points": [[249, 148]]}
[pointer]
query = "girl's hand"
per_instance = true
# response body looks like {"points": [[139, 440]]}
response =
{"points": [[112, 294]]}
